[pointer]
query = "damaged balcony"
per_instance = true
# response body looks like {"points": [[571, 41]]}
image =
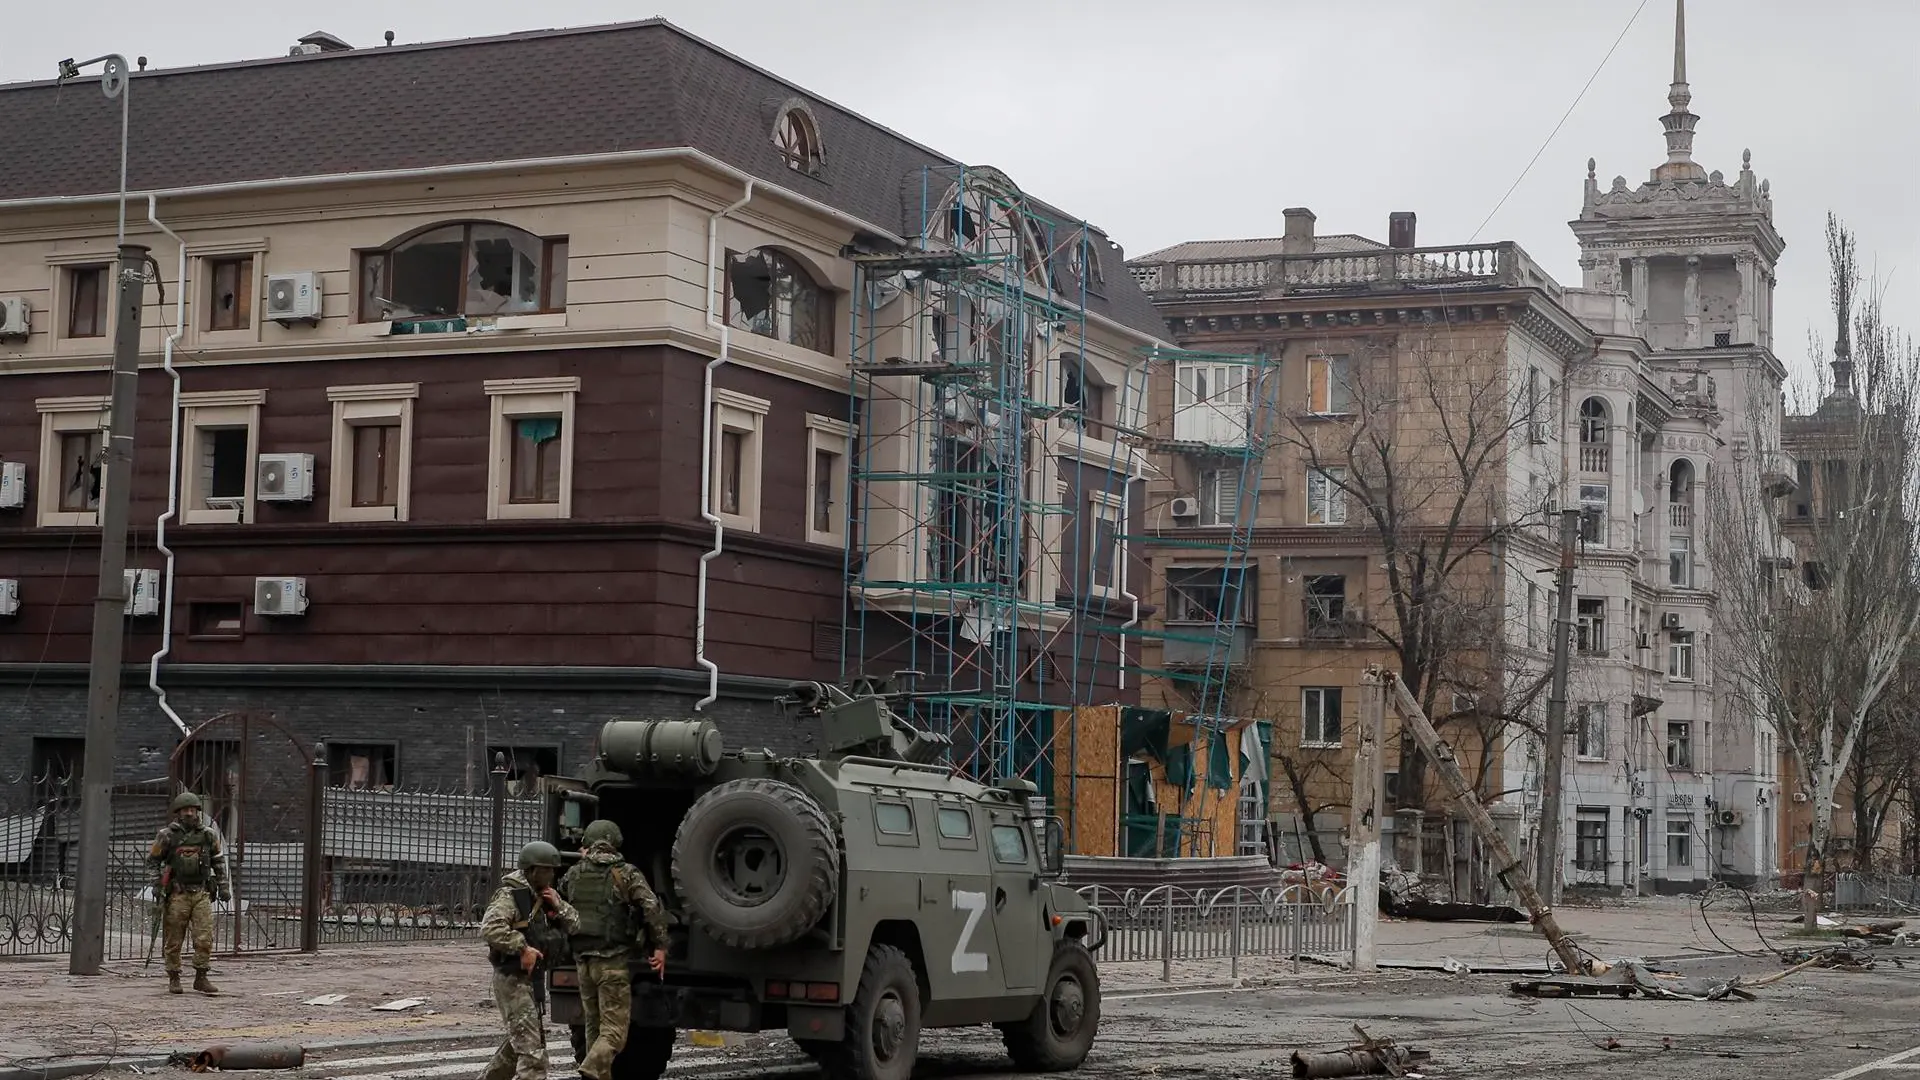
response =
{"points": [[1196, 644]]}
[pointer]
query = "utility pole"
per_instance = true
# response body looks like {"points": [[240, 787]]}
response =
{"points": [[1363, 829], [1554, 760], [109, 615]]}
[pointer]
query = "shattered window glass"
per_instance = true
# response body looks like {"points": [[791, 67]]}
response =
{"points": [[771, 295], [464, 270], [505, 271]]}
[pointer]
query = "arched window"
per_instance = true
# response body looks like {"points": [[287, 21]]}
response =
{"points": [[1680, 484], [798, 140], [1595, 436], [473, 268], [772, 295]]}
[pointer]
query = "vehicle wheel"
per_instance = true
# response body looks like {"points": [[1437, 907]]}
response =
{"points": [[1058, 1034], [756, 863], [646, 1054], [883, 1023], [578, 1037]]}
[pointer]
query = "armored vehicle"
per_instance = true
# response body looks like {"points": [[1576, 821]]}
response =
{"points": [[851, 898]]}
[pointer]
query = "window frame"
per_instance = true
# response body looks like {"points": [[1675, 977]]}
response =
{"points": [[1583, 841], [1680, 745], [1684, 834], [554, 251], [58, 417], [1590, 726], [1105, 507], [1329, 376], [105, 312], [826, 305], [1331, 620], [351, 406], [210, 411], [338, 756], [1313, 720], [1333, 508], [516, 399], [825, 435], [1680, 655], [994, 829], [1596, 506], [247, 282], [1590, 633], [1220, 489], [746, 415], [1215, 577]]}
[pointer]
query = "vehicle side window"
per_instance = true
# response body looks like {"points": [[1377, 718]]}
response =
{"points": [[1009, 844], [956, 823], [893, 818]]}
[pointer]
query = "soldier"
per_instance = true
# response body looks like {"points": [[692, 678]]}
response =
{"points": [[524, 922], [609, 892], [188, 856]]}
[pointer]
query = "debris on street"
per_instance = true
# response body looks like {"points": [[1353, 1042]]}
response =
{"points": [[1625, 978], [1368, 1057], [325, 999], [399, 1004], [239, 1057]]}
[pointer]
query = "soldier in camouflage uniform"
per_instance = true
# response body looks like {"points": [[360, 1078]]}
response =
{"points": [[525, 921], [609, 893], [190, 861]]}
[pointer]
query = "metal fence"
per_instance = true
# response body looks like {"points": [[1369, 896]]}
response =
{"points": [[1897, 893], [393, 865], [1168, 923]]}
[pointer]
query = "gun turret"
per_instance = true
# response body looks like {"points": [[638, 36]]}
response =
{"points": [[865, 724]]}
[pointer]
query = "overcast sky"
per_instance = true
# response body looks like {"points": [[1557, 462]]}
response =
{"points": [[1204, 119]]}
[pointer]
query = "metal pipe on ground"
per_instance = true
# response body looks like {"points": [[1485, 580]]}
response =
{"points": [[243, 1056]]}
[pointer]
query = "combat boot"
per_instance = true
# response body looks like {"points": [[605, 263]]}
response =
{"points": [[202, 983], [173, 983]]}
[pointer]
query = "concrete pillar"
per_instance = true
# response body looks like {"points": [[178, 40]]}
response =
{"points": [[1363, 823], [1746, 322], [1637, 288]]}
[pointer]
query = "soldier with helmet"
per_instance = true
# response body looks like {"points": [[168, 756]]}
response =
{"points": [[618, 911], [526, 921], [191, 863]]}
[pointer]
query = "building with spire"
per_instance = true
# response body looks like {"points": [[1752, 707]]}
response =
{"points": [[1623, 397], [1695, 392]]}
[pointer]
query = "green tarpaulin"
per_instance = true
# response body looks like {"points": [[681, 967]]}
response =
{"points": [[1219, 761]]}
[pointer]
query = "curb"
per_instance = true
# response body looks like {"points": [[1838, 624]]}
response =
{"points": [[153, 1058]]}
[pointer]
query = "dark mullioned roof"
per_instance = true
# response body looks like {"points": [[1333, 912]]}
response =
{"points": [[544, 93]]}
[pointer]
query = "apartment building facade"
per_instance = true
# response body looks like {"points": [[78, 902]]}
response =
{"points": [[1625, 398], [487, 435]]}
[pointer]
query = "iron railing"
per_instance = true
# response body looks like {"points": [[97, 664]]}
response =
{"points": [[1892, 893], [1168, 924]]}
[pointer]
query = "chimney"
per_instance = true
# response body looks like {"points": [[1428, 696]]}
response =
{"points": [[1400, 230], [1298, 239]]}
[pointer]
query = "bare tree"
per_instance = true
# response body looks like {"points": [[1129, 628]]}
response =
{"points": [[1417, 459], [1817, 654]]}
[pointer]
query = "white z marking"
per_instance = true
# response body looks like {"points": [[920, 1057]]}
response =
{"points": [[975, 905]]}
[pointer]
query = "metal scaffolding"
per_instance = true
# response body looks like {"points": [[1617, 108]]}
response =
{"points": [[968, 393]]}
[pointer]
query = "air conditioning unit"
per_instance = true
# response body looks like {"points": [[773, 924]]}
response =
{"points": [[143, 592], [13, 485], [280, 596], [294, 297], [9, 596], [1185, 507], [15, 321], [1670, 621], [284, 478], [1727, 818]]}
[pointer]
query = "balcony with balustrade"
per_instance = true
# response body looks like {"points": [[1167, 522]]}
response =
{"points": [[1334, 272]]}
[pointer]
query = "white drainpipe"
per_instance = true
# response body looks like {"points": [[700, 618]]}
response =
{"points": [[173, 471], [706, 447]]}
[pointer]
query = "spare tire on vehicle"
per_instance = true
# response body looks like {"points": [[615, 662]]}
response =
{"points": [[755, 863]]}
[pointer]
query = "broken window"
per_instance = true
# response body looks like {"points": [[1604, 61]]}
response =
{"points": [[480, 268], [1329, 385], [80, 471], [1590, 729], [534, 459], [1204, 594], [1590, 629], [363, 766], [1326, 605], [56, 766], [1590, 840], [87, 301], [972, 541], [376, 462], [772, 295], [525, 765], [1326, 497], [798, 141], [223, 462]]}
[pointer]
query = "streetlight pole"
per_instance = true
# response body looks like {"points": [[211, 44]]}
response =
{"points": [[109, 603]]}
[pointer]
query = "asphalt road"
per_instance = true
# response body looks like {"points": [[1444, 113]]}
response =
{"points": [[1815, 1025]]}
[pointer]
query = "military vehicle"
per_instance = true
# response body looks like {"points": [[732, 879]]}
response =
{"points": [[851, 898]]}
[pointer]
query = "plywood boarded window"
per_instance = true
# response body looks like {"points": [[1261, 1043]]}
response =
{"points": [[230, 293]]}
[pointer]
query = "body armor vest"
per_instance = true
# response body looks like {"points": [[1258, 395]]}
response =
{"points": [[599, 894], [190, 858], [531, 920]]}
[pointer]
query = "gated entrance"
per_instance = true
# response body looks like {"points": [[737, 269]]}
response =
{"points": [[256, 782]]}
